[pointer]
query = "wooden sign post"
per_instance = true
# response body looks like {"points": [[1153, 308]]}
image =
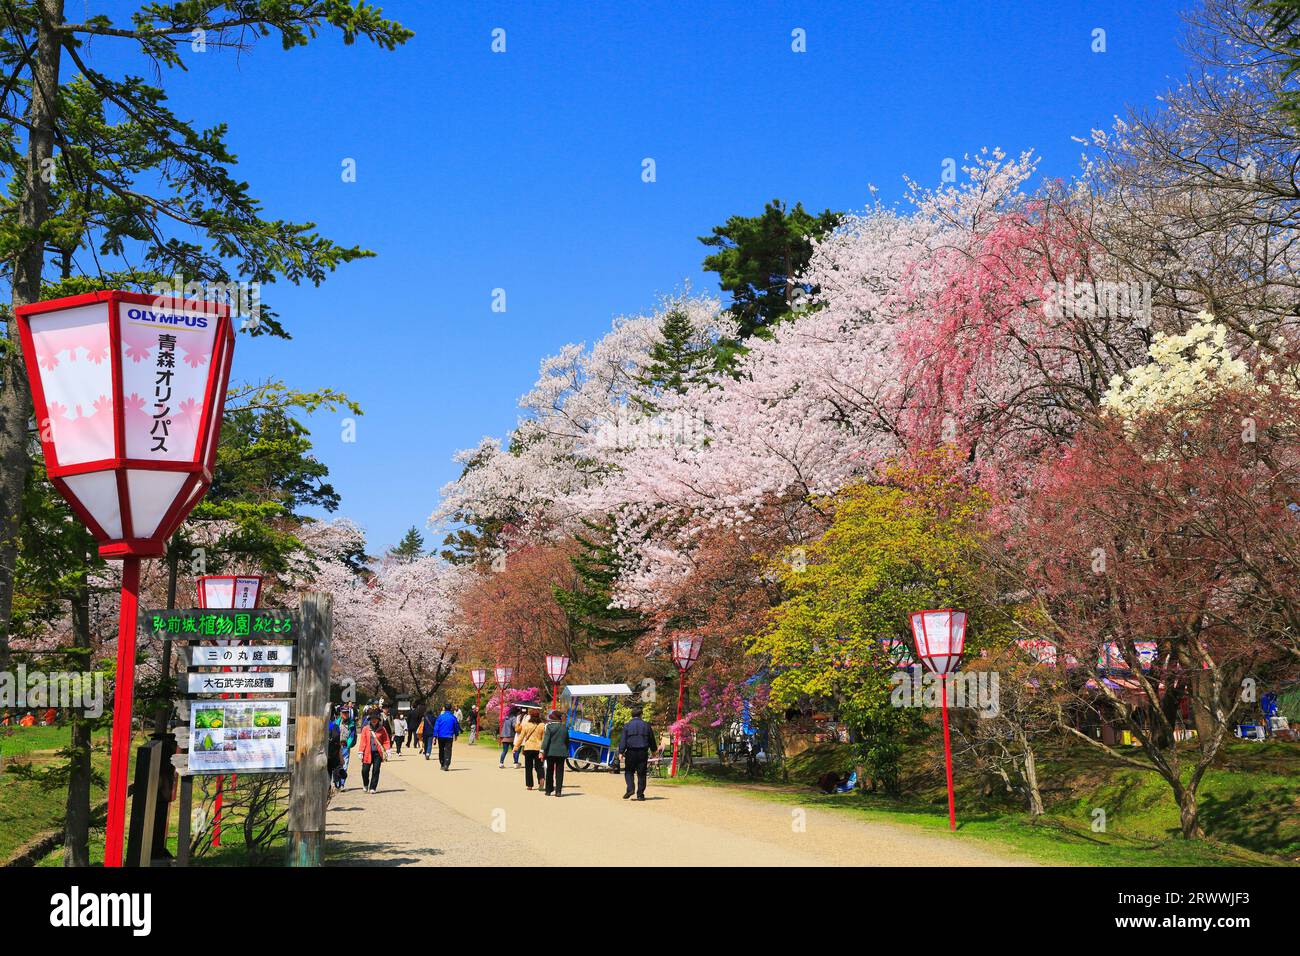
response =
{"points": [[309, 784], [259, 656]]}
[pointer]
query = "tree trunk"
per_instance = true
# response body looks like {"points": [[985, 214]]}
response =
{"points": [[28, 263], [1188, 814], [76, 821], [1031, 782], [163, 716]]}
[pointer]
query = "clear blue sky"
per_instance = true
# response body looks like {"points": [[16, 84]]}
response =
{"points": [[522, 171]]}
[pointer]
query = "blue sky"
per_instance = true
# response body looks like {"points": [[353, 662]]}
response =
{"points": [[522, 171]]}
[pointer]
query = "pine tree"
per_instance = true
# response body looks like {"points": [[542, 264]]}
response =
{"points": [[678, 360], [410, 547], [760, 258], [587, 606]]}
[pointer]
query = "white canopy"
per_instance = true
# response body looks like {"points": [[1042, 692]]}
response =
{"points": [[596, 690]]}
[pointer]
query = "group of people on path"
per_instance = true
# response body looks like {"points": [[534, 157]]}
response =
{"points": [[381, 735], [544, 744], [545, 747]]}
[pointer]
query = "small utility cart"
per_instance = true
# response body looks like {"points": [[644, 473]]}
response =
{"points": [[590, 710]]}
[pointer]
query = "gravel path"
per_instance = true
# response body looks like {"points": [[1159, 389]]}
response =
{"points": [[476, 814]]}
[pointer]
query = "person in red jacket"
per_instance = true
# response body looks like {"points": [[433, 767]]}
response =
{"points": [[373, 744]]}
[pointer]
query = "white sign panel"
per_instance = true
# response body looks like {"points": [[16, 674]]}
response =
{"points": [[166, 358], [233, 735], [245, 682], [242, 655], [238, 593]]}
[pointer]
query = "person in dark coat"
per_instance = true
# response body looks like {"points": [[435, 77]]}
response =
{"points": [[427, 724], [555, 747], [635, 745]]}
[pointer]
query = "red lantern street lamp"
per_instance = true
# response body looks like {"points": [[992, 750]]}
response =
{"points": [[230, 591], [940, 638], [556, 667], [227, 591], [128, 393], [686, 650], [479, 677], [503, 675]]}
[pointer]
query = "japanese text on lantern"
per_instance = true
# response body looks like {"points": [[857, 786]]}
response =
{"points": [[165, 364]]}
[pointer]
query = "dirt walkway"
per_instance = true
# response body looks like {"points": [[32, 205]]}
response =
{"points": [[478, 814]]}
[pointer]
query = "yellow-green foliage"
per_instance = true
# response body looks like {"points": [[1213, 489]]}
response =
{"points": [[890, 550]]}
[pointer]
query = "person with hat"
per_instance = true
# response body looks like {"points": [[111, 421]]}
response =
{"points": [[635, 745], [555, 748], [374, 744]]}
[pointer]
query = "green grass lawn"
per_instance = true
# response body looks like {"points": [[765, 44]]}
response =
{"points": [[1250, 808], [26, 808], [20, 741]]}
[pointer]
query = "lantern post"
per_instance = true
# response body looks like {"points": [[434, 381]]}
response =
{"points": [[128, 392], [503, 675], [685, 652], [556, 667], [940, 639], [479, 676], [226, 591]]}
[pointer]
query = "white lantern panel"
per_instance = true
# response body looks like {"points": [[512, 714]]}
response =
{"points": [[151, 494], [96, 491], [958, 632], [210, 452], [72, 359], [166, 361], [934, 639], [219, 592]]}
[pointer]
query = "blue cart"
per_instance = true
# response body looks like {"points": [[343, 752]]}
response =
{"points": [[590, 710]]}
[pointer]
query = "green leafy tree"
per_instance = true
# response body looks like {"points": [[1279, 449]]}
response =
{"points": [[890, 549], [160, 196], [1282, 27], [760, 258]]}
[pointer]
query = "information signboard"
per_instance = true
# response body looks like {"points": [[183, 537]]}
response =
{"points": [[235, 735], [203, 624], [239, 682], [241, 655]]}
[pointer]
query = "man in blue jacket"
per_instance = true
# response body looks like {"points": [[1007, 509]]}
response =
{"points": [[446, 728]]}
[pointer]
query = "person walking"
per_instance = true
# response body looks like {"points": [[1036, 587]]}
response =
{"points": [[507, 738], [473, 725], [555, 747], [446, 728], [413, 728], [635, 745], [399, 733], [426, 731], [374, 742], [347, 740], [529, 732], [524, 711], [334, 750]]}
